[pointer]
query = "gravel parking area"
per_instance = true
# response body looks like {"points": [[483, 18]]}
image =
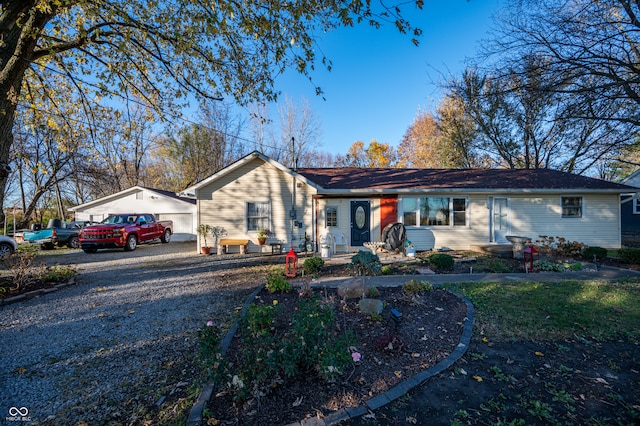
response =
{"points": [[122, 339]]}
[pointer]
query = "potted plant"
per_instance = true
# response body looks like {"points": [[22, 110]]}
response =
{"points": [[262, 235], [203, 231], [410, 249]]}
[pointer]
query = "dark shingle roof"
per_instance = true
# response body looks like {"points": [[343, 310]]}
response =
{"points": [[453, 179]]}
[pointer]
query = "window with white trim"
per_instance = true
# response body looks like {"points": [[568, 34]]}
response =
{"points": [[636, 206], [434, 211], [331, 216], [258, 216], [571, 206]]}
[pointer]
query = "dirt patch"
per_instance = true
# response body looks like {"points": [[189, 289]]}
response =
{"points": [[428, 332], [518, 383]]}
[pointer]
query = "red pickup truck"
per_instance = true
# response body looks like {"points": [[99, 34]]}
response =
{"points": [[125, 230]]}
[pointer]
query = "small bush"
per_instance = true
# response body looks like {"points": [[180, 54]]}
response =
{"points": [[441, 262], [600, 253], [366, 263], [210, 338], [387, 270], [559, 247], [373, 292], [547, 266], [313, 265], [629, 255], [56, 274], [414, 287], [498, 266], [277, 283]]}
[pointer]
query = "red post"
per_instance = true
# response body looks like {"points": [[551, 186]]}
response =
{"points": [[529, 256]]}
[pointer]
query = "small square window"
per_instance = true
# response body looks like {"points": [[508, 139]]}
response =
{"points": [[571, 206], [139, 195], [636, 206], [332, 216]]}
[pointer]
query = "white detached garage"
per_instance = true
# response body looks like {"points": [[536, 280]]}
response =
{"points": [[165, 205]]}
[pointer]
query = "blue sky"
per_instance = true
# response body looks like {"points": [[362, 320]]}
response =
{"points": [[380, 80]]}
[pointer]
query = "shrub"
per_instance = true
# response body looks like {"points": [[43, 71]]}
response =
{"points": [[559, 246], [373, 292], [366, 263], [414, 287], [441, 262], [313, 265], [277, 283], [599, 253], [629, 255], [498, 266], [547, 266], [210, 338], [57, 274], [387, 270]]}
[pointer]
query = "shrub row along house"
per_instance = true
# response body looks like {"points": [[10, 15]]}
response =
{"points": [[454, 208]]}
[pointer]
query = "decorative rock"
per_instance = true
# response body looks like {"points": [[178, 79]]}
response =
{"points": [[371, 306], [425, 271], [351, 289]]}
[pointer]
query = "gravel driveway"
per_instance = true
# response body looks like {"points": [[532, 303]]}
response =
{"points": [[120, 341]]}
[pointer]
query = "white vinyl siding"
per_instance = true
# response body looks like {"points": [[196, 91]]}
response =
{"points": [[530, 216], [224, 201]]}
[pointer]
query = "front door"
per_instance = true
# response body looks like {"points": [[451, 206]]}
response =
{"points": [[360, 222], [499, 219]]}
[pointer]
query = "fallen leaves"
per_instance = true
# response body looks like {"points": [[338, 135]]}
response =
{"points": [[477, 379], [297, 402]]}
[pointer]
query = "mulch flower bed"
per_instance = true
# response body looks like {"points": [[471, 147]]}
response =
{"points": [[387, 354]]}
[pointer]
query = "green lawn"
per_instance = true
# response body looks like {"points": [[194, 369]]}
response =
{"points": [[535, 310]]}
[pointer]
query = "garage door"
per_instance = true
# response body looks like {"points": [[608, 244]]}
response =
{"points": [[182, 225]]}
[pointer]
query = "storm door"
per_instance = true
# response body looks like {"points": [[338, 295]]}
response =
{"points": [[499, 219]]}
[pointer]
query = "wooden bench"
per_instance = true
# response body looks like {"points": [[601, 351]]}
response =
{"points": [[226, 242]]}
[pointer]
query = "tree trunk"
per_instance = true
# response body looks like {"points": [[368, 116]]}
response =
{"points": [[20, 27]]}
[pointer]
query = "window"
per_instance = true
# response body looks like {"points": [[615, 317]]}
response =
{"points": [[139, 195], [410, 214], [258, 216], [434, 211], [636, 206], [571, 206], [331, 216]]}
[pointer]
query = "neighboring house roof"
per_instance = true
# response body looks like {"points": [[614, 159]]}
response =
{"points": [[335, 180], [134, 189], [633, 179]]}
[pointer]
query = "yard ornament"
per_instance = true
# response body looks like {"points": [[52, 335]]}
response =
{"points": [[291, 265]]}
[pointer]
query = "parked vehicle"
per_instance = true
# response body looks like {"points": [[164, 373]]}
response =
{"points": [[126, 231], [57, 232], [8, 246]]}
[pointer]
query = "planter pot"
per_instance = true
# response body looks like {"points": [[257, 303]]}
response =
{"points": [[411, 252], [205, 250], [325, 252], [262, 240]]}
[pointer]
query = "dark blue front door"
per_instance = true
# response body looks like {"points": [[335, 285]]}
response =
{"points": [[360, 222]]}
